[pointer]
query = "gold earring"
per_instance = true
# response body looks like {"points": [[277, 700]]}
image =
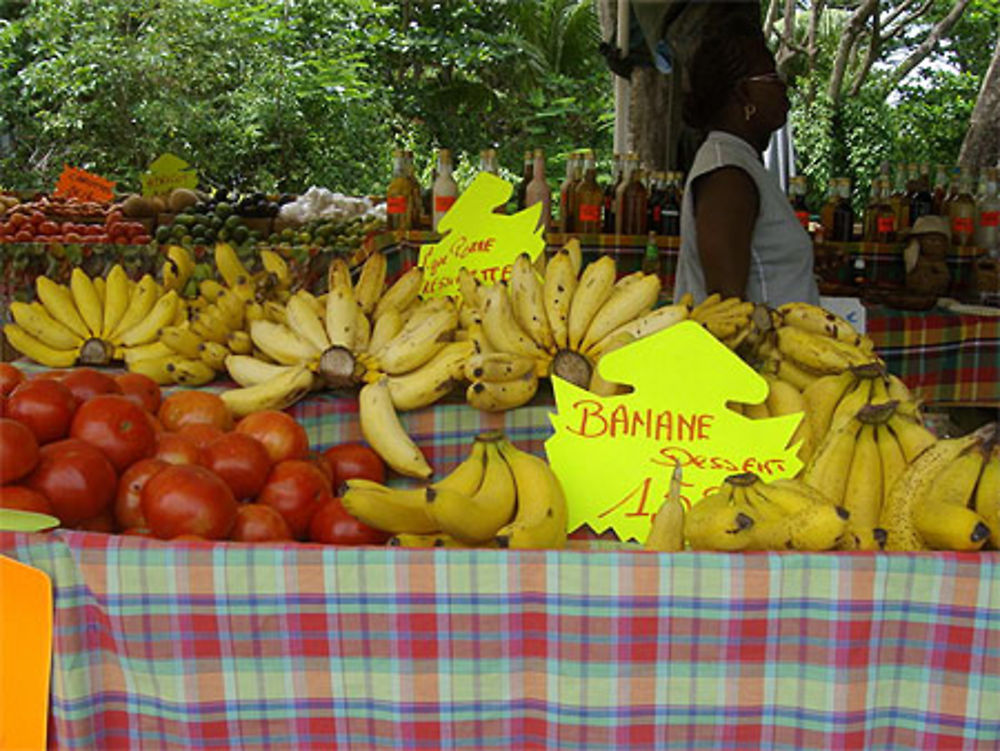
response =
{"points": [[749, 111]]}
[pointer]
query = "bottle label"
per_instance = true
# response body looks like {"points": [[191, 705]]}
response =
{"points": [[962, 225], [886, 224], [989, 219], [396, 204], [803, 217], [589, 212], [443, 203]]}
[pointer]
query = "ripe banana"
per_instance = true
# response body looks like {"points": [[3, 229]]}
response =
{"points": [[230, 267], [431, 540], [58, 301], [36, 321], [181, 339], [789, 371], [302, 319], [341, 315], [594, 289], [650, 323], [945, 526], [830, 465], [386, 327], [153, 350], [282, 344], [277, 392], [498, 396], [913, 437], [371, 282], [432, 380], [382, 429], [177, 268], [817, 320], [623, 305], [540, 520], [161, 368], [558, 291], [192, 372], [863, 491], [42, 353], [250, 371], [116, 300], [274, 264], [501, 328], [402, 293], [497, 366], [141, 301], [528, 300], [987, 500], [467, 477], [416, 344], [476, 518], [146, 330], [811, 351], [575, 253], [716, 523], [666, 531], [213, 355], [396, 510], [822, 397], [87, 301], [908, 491], [852, 403]]}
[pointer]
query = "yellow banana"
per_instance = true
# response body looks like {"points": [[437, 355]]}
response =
{"points": [[650, 323], [851, 403], [498, 396], [830, 465], [162, 314], [276, 265], [386, 327], [711, 301], [790, 372], [141, 302], [151, 351], [37, 350], [540, 519], [431, 540], [501, 328], [863, 492], [987, 500], [622, 306], [230, 267], [558, 290], [116, 300], [432, 380], [87, 301], [575, 253], [527, 297], [210, 289], [817, 320], [36, 321], [189, 371], [232, 307], [340, 316], [396, 510], [476, 518], [467, 477], [384, 432], [371, 282], [177, 268], [250, 371], [497, 366], [100, 287], [666, 530], [945, 526], [302, 319], [58, 301], [282, 344], [213, 355], [913, 437], [161, 369], [210, 324], [715, 523], [277, 392], [816, 353], [181, 339], [402, 293], [592, 291], [239, 342], [417, 344]]}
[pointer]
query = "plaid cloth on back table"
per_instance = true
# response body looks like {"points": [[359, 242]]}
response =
{"points": [[215, 646]]}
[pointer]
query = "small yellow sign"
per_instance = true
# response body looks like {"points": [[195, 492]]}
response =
{"points": [[166, 173], [614, 455], [479, 240]]}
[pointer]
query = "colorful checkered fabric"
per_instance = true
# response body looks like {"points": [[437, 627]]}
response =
{"points": [[945, 357], [219, 646]]}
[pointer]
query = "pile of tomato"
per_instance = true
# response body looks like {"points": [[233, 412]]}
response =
{"points": [[111, 453]]}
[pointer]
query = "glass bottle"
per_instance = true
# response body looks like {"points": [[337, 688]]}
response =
{"points": [[921, 201], [488, 161], [610, 191], [399, 195], [633, 205], [670, 211], [940, 189], [962, 214], [651, 257], [843, 213], [826, 212], [871, 209], [654, 201], [445, 189], [538, 191], [416, 198], [797, 197], [629, 166], [884, 223], [988, 217], [588, 198], [567, 208], [899, 199], [526, 174]]}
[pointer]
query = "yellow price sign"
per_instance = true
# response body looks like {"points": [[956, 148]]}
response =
{"points": [[479, 240], [166, 173], [614, 455]]}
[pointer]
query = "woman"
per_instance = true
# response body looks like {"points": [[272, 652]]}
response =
{"points": [[739, 234]]}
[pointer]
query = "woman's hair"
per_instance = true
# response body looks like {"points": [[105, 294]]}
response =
{"points": [[722, 58]]}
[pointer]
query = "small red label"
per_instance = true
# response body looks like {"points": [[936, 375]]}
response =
{"points": [[962, 225], [803, 217], [589, 212], [443, 203], [989, 219], [396, 204], [886, 224]]}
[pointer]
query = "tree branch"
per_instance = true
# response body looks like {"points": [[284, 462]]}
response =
{"points": [[870, 54], [927, 46], [771, 20], [896, 12], [894, 30], [852, 29], [813, 47]]}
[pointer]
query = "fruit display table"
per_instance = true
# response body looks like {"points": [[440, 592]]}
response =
{"points": [[200, 645]]}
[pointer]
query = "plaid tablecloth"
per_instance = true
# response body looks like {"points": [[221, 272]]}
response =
{"points": [[945, 357], [214, 646]]}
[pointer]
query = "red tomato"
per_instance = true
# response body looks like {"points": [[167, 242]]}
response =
{"points": [[295, 489], [45, 406], [10, 376], [175, 448], [86, 383], [201, 435], [282, 436], [24, 499], [350, 460], [18, 450], [256, 522], [117, 426], [3, 407], [103, 522], [194, 407], [241, 461], [324, 465], [76, 477], [141, 389], [333, 525], [128, 498], [187, 499]]}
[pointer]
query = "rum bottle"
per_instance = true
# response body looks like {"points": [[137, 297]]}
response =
{"points": [[633, 205], [843, 213], [538, 191], [670, 210], [567, 207], [962, 214], [445, 189], [588, 198], [399, 195], [797, 197], [526, 175], [610, 192], [988, 217]]}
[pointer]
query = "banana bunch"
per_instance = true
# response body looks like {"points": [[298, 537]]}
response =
{"points": [[739, 324], [560, 324], [749, 514], [271, 282], [948, 497], [809, 342], [193, 351], [782, 399], [866, 430], [92, 320], [498, 496]]}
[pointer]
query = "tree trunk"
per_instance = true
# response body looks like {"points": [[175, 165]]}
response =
{"points": [[981, 147]]}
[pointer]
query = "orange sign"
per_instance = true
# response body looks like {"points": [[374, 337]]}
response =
{"points": [[78, 183], [25, 655]]}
